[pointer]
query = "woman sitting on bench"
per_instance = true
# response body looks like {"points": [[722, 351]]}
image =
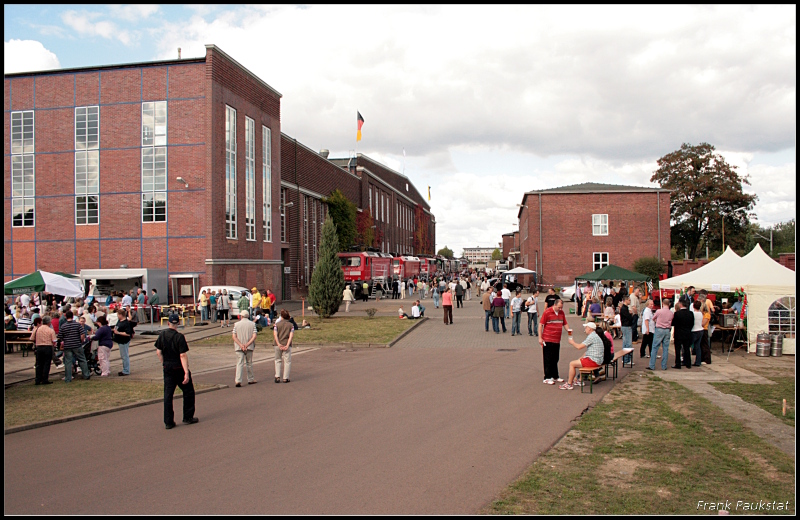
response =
{"points": [[593, 358]]}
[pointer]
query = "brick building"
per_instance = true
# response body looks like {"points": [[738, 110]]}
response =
{"points": [[177, 165], [568, 231]]}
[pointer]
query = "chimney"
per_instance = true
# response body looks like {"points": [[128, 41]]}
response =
{"points": [[324, 153], [179, 53]]}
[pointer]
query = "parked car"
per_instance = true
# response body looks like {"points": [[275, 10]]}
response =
{"points": [[512, 286], [568, 293], [233, 290]]}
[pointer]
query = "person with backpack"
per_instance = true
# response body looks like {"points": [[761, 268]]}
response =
{"points": [[595, 352]]}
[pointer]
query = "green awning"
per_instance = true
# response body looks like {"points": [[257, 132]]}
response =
{"points": [[613, 273], [42, 281]]}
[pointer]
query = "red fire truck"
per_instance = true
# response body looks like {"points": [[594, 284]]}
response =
{"points": [[404, 267], [370, 267], [427, 267]]}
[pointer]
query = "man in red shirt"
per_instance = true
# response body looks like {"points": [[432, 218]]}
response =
{"points": [[272, 300], [553, 319]]}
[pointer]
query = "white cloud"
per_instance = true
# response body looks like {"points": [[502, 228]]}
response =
{"points": [[26, 56], [132, 12], [84, 23]]}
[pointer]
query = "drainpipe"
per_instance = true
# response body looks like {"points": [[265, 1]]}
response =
{"points": [[540, 233]]}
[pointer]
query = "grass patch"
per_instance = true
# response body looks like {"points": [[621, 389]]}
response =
{"points": [[768, 397], [339, 329], [650, 447], [27, 403]]}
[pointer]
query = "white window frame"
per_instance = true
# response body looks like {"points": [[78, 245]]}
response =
{"points": [[23, 149], [250, 179], [154, 148], [231, 232], [88, 114], [84, 190], [283, 215], [266, 174], [600, 224], [314, 220], [155, 123], [305, 235], [598, 262]]}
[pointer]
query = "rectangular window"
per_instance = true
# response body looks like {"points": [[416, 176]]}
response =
{"points": [[87, 187], [87, 128], [250, 178], [154, 207], [22, 132], [154, 161], [305, 234], [154, 123], [230, 173], [600, 260], [370, 200], [600, 225], [283, 215], [23, 168], [266, 174], [314, 221]]}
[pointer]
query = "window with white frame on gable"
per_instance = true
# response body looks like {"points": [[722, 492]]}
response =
{"points": [[600, 224], [87, 165], [154, 161], [599, 261], [250, 179], [230, 173], [266, 174], [23, 168]]}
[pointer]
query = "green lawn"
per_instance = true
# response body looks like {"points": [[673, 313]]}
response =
{"points": [[338, 329], [27, 403], [768, 397], [651, 447]]}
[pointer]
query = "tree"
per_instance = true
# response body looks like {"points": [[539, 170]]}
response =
{"points": [[327, 280], [365, 227], [496, 254], [650, 266], [783, 237], [343, 213], [446, 252], [706, 189]]}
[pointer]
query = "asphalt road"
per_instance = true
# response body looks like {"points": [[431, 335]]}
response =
{"points": [[438, 424]]}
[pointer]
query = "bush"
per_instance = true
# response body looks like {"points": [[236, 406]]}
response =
{"points": [[650, 266], [325, 290]]}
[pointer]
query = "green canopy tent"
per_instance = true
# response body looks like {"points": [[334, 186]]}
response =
{"points": [[613, 273], [43, 281]]}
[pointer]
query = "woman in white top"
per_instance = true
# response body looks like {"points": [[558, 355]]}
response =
{"points": [[697, 332], [348, 297], [648, 328]]}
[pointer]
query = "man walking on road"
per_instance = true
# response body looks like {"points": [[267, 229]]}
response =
{"points": [[532, 305], [72, 335], [553, 320], [459, 295], [172, 351], [486, 299], [244, 340], [683, 321], [507, 299]]}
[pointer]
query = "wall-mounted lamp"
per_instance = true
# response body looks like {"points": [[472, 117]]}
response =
{"points": [[288, 205], [181, 179]]}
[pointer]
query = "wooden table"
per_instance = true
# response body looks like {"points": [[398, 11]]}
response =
{"points": [[21, 338], [723, 330]]}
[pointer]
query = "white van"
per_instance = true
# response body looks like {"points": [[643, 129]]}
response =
{"points": [[233, 290]]}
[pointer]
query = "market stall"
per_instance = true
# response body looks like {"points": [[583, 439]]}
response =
{"points": [[769, 288]]}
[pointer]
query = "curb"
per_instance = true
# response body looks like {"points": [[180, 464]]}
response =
{"points": [[42, 424], [407, 331]]}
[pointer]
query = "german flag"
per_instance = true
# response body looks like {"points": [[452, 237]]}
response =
{"points": [[360, 124]]}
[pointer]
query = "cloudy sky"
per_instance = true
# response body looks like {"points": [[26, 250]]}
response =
{"points": [[488, 102]]}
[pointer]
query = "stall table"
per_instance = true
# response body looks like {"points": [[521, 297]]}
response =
{"points": [[21, 338]]}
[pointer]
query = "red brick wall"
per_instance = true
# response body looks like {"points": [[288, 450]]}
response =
{"points": [[508, 243], [786, 260], [567, 241]]}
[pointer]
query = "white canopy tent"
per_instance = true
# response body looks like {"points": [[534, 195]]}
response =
{"points": [[765, 282]]}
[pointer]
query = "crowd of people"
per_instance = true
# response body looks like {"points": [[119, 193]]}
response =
{"points": [[75, 331]]}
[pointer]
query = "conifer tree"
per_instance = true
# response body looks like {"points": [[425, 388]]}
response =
{"points": [[327, 281]]}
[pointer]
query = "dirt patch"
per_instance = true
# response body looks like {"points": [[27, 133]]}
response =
{"points": [[683, 408], [764, 468], [620, 471]]}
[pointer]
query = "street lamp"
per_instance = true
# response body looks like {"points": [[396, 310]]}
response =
{"points": [[765, 238], [723, 226]]}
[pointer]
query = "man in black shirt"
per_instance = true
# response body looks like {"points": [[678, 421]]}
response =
{"points": [[172, 351], [683, 321], [551, 297]]}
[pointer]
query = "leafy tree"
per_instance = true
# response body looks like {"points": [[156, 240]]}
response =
{"points": [[327, 280], [446, 252], [650, 266], [706, 189], [496, 254], [364, 227], [343, 213], [783, 237]]}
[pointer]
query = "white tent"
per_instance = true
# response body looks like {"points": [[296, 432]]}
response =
{"points": [[764, 281], [770, 289], [724, 270]]}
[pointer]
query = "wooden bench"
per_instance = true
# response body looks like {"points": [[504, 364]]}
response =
{"points": [[586, 377], [615, 360], [25, 345]]}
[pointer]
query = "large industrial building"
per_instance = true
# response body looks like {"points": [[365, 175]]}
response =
{"points": [[179, 165]]}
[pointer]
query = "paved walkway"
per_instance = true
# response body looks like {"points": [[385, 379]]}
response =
{"points": [[438, 424]]}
